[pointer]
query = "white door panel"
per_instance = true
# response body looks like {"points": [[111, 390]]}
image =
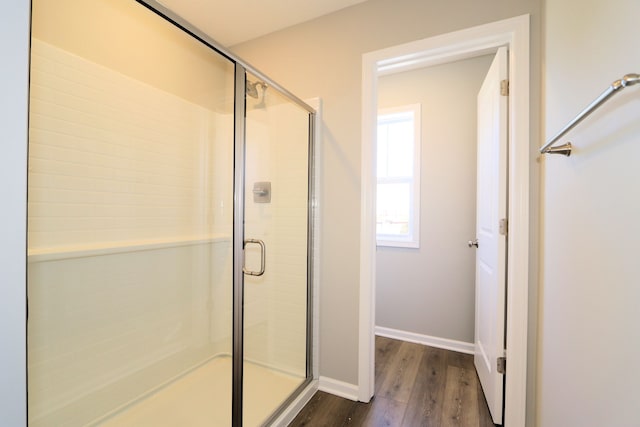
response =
{"points": [[491, 252]]}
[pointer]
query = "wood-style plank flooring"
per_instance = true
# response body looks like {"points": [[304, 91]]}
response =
{"points": [[416, 386]]}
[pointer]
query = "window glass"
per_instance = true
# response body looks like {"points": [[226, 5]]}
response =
{"points": [[398, 176]]}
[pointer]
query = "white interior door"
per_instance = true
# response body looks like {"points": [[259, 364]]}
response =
{"points": [[491, 242]]}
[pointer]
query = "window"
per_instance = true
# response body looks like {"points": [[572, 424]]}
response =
{"points": [[398, 172]]}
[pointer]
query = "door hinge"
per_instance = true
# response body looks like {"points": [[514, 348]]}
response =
{"points": [[501, 365], [504, 87], [504, 226]]}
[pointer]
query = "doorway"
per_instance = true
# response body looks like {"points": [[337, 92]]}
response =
{"points": [[425, 294], [473, 42]]}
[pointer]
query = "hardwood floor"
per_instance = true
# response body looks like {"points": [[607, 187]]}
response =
{"points": [[416, 386]]}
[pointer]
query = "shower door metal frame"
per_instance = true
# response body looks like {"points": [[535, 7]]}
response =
{"points": [[239, 145]]}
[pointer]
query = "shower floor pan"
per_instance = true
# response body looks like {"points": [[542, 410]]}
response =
{"points": [[203, 398]]}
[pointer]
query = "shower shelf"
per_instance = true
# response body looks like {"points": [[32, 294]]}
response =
{"points": [[88, 250]]}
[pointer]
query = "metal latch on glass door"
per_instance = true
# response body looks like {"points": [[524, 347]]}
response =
{"points": [[504, 226], [501, 365], [263, 254]]}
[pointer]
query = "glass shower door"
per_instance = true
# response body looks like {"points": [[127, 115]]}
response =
{"points": [[276, 233], [130, 220]]}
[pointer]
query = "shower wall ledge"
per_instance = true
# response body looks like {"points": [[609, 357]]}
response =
{"points": [[83, 251]]}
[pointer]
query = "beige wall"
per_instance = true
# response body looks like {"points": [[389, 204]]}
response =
{"points": [[323, 58], [590, 293], [431, 290]]}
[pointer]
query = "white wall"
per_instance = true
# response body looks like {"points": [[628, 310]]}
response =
{"points": [[323, 58], [590, 291], [430, 290], [14, 73]]}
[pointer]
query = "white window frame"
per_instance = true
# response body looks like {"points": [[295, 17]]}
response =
{"points": [[413, 239]]}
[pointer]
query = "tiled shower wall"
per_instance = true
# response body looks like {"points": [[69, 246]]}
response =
{"points": [[124, 223], [106, 164]]}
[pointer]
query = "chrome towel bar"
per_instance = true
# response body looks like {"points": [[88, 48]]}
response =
{"points": [[628, 80]]}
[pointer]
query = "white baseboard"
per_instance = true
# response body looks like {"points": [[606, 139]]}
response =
{"points": [[447, 344], [339, 388]]}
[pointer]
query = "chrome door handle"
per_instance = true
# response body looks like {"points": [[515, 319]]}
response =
{"points": [[473, 243], [263, 252]]}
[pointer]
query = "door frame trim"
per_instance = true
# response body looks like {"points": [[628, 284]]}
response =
{"points": [[471, 42]]}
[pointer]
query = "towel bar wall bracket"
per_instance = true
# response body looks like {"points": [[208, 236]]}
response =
{"points": [[565, 149]]}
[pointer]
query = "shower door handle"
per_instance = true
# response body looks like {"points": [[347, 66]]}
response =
{"points": [[263, 252]]}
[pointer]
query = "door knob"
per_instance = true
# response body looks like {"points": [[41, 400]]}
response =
{"points": [[472, 243]]}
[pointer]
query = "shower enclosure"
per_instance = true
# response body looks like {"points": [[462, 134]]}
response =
{"points": [[169, 225]]}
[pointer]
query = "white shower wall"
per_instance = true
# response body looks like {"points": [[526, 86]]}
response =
{"points": [[107, 165], [125, 219]]}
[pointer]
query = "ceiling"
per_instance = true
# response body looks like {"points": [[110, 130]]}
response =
{"points": [[231, 22]]}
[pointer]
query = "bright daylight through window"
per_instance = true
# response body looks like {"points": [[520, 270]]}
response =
{"points": [[398, 172]]}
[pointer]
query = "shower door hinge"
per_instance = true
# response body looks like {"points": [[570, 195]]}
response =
{"points": [[504, 87], [501, 365], [504, 226]]}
